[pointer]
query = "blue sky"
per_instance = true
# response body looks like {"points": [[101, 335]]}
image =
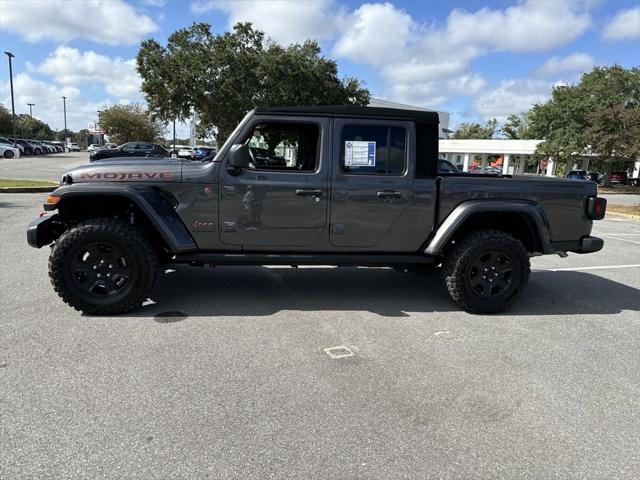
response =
{"points": [[474, 59]]}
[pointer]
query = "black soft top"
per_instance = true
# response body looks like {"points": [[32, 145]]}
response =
{"points": [[353, 111]]}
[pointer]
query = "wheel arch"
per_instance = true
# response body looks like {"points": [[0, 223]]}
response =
{"points": [[523, 219], [152, 209]]}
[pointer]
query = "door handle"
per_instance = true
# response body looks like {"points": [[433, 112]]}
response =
{"points": [[389, 194], [308, 192]]}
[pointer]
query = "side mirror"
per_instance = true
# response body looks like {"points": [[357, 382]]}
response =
{"points": [[239, 157]]}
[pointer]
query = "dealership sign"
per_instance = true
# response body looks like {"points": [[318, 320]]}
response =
{"points": [[95, 129]]}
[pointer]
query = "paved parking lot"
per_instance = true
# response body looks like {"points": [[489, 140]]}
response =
{"points": [[223, 373], [41, 167]]}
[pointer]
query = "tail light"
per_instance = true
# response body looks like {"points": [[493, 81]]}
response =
{"points": [[596, 208]]}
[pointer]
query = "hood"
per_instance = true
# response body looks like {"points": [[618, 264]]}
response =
{"points": [[127, 169]]}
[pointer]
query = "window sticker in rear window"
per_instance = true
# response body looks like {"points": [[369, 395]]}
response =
{"points": [[359, 153]]}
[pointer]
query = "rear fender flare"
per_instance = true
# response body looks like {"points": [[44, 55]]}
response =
{"points": [[456, 219]]}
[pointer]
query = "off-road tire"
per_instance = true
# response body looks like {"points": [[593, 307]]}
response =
{"points": [[129, 239], [467, 250], [8, 154]]}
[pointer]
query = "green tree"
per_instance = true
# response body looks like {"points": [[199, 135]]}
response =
{"points": [[596, 116], [31, 127], [517, 127], [475, 130], [63, 134], [5, 121], [221, 77], [126, 123]]}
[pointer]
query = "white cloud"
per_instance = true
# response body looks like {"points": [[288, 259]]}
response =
{"points": [[422, 95], [511, 96], [423, 62], [48, 102], [575, 62], [70, 66], [283, 20], [466, 84], [113, 22], [154, 3], [375, 34], [624, 26], [525, 27]]}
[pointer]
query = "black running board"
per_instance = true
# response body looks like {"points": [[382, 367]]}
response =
{"points": [[347, 259]]}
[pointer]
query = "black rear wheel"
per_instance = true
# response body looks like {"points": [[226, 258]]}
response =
{"points": [[103, 266], [486, 270], [8, 154]]}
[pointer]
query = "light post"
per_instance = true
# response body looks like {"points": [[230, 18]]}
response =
{"points": [[30, 109], [174, 151], [64, 107], [13, 107], [99, 129]]}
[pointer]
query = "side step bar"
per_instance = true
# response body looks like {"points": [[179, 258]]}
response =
{"points": [[346, 259]]}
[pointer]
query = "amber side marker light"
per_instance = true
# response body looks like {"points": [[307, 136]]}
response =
{"points": [[52, 200]]}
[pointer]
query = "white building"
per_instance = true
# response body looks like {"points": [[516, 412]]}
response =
{"points": [[513, 155]]}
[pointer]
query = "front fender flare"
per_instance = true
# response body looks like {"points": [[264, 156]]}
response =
{"points": [[465, 210], [148, 200]]}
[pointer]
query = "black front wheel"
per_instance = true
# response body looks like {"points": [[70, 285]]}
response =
{"points": [[486, 270], [8, 154], [103, 266]]}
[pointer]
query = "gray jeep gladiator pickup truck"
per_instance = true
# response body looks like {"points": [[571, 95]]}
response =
{"points": [[329, 185]]}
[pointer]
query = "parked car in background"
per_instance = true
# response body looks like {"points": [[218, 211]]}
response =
{"points": [[92, 147], [130, 149], [578, 175], [73, 147], [43, 146], [59, 146], [185, 152], [445, 166], [29, 149], [5, 142], [110, 145], [7, 151], [200, 153], [618, 178], [596, 177]]}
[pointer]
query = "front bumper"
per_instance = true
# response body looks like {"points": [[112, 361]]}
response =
{"points": [[43, 231]]}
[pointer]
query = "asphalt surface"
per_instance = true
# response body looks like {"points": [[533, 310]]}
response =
{"points": [[223, 373], [628, 199], [41, 167]]}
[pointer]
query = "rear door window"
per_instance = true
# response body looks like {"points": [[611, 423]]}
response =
{"points": [[373, 150]]}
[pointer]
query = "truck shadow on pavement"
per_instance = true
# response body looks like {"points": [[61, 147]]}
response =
{"points": [[261, 291]]}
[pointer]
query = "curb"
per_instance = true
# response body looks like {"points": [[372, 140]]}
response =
{"points": [[27, 189]]}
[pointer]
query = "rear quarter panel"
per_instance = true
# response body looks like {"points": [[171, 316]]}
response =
{"points": [[563, 201]]}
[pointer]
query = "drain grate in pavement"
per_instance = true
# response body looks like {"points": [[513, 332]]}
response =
{"points": [[339, 352]]}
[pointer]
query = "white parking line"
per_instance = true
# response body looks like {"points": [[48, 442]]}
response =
{"points": [[620, 234], [599, 267], [623, 240]]}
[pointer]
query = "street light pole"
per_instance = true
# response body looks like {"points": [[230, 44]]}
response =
{"points": [[64, 106], [13, 107], [30, 110], [99, 129]]}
